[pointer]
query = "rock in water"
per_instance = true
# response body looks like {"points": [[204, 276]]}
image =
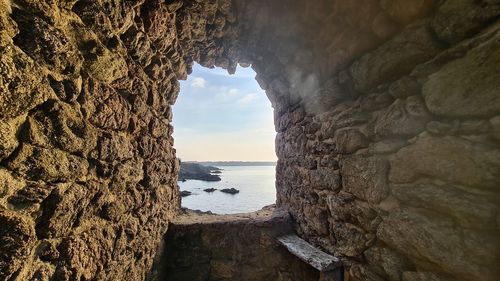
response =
{"points": [[210, 189], [230, 190], [185, 193]]}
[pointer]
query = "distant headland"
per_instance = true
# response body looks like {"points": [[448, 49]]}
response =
{"points": [[197, 171], [209, 170], [236, 163]]}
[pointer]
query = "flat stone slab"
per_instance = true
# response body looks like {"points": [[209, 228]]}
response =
{"points": [[308, 253]]}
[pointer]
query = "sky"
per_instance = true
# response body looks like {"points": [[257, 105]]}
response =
{"points": [[222, 117]]}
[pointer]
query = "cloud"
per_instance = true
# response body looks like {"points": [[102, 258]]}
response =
{"points": [[232, 92], [198, 82], [247, 99]]}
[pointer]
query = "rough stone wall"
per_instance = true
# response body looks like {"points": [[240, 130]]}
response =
{"points": [[392, 161], [200, 247], [387, 115], [88, 173]]}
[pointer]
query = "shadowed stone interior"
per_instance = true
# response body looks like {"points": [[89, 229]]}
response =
{"points": [[387, 116]]}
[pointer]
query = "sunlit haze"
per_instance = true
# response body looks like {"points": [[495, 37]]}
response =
{"points": [[222, 117]]}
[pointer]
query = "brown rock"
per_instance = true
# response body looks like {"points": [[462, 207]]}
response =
{"points": [[495, 123], [53, 165], [62, 208], [406, 11], [8, 131], [46, 44], [86, 90], [17, 237], [30, 194], [104, 65], [61, 126], [113, 146], [20, 83], [9, 184]]}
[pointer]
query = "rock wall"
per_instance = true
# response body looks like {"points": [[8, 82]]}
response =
{"points": [[200, 246], [393, 162], [387, 115], [88, 173]]}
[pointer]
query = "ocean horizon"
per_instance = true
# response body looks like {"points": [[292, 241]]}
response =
{"points": [[256, 185]]}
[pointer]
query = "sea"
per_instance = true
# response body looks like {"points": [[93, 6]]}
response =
{"points": [[255, 183]]}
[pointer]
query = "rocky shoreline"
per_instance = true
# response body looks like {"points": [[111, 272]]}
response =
{"points": [[195, 171]]}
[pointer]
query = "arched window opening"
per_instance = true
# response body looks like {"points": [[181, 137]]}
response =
{"points": [[224, 135]]}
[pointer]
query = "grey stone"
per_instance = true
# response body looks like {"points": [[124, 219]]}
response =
{"points": [[387, 146], [448, 158], [468, 209], [405, 87], [363, 272], [308, 253], [495, 124], [403, 118], [457, 19], [442, 128], [425, 236], [326, 178], [389, 262], [470, 127], [395, 58], [467, 87], [342, 116], [344, 207], [351, 240], [349, 140], [365, 177], [425, 276]]}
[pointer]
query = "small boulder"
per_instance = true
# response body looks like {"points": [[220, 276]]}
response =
{"points": [[185, 193], [230, 190], [210, 190]]}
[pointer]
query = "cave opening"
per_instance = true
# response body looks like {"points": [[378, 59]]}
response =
{"points": [[224, 137]]}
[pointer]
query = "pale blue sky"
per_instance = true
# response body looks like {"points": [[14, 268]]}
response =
{"points": [[223, 117]]}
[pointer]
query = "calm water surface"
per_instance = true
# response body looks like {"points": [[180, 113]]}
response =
{"points": [[255, 183]]}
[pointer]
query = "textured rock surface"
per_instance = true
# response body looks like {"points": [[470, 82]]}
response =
{"points": [[408, 130], [386, 112], [200, 246]]}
